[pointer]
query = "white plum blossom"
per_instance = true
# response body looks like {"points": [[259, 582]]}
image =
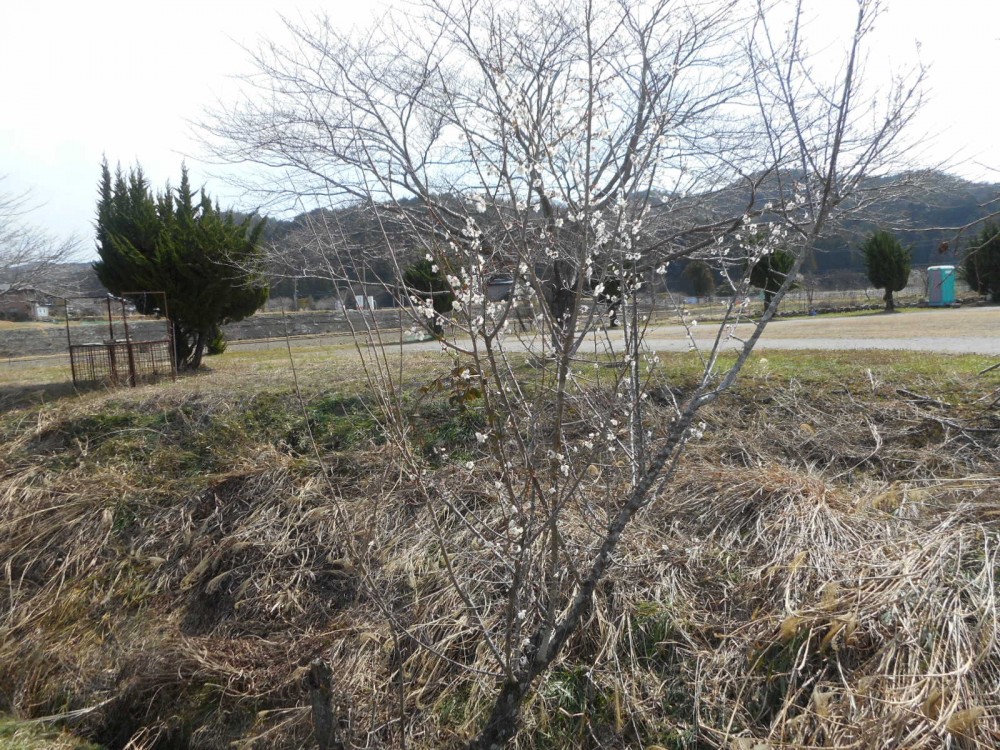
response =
{"points": [[697, 432]]}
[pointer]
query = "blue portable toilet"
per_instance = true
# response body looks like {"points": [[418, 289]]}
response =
{"points": [[941, 285]]}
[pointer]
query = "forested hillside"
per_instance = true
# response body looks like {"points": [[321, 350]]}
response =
{"points": [[923, 209]]}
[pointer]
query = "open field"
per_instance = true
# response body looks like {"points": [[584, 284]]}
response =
{"points": [[6, 325], [819, 574], [963, 330], [967, 330]]}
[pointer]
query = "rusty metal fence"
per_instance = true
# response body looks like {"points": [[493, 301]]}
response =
{"points": [[117, 363], [118, 358]]}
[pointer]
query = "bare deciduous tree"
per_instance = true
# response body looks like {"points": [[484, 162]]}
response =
{"points": [[28, 254], [575, 148]]}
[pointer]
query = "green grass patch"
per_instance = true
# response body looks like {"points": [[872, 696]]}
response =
{"points": [[442, 428], [340, 422], [577, 711], [654, 634], [20, 735], [838, 368]]}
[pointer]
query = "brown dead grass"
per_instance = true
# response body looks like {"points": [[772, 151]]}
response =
{"points": [[819, 575]]}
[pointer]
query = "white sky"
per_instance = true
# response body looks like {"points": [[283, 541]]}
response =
{"points": [[83, 78]]}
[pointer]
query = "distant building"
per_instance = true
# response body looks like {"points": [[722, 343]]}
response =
{"points": [[366, 296], [25, 304]]}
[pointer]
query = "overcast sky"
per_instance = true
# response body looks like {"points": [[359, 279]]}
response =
{"points": [[85, 78]]}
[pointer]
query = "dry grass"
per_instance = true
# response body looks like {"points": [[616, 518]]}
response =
{"points": [[9, 325], [819, 575], [15, 735]]}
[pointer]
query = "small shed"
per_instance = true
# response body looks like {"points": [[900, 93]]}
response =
{"points": [[24, 304], [941, 286]]}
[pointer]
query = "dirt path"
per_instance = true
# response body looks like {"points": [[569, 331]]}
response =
{"points": [[965, 330], [961, 331]]}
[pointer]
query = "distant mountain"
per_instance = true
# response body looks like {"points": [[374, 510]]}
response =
{"points": [[74, 280], [66, 280], [924, 209], [937, 208]]}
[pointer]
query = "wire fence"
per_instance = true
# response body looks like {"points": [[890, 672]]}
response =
{"points": [[796, 302]]}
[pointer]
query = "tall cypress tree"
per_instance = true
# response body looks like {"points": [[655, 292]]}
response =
{"points": [[888, 265], [208, 265]]}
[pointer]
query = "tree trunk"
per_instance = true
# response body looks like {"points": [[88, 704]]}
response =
{"points": [[561, 307], [319, 683], [890, 304], [561, 299], [196, 354], [613, 313], [182, 347], [504, 720]]}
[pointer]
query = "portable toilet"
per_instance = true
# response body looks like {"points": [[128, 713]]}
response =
{"points": [[941, 285]]}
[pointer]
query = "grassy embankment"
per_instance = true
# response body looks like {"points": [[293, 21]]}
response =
{"points": [[820, 574]]}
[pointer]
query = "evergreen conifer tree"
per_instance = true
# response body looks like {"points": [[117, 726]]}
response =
{"points": [[207, 264], [888, 265], [769, 272], [981, 264], [425, 281], [699, 277]]}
